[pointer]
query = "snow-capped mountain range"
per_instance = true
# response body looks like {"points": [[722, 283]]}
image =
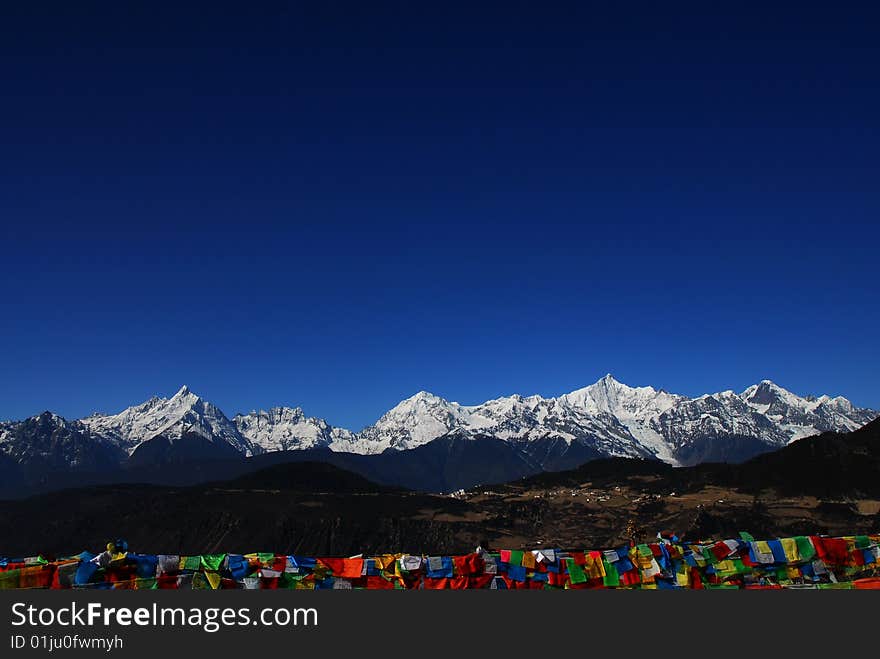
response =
{"points": [[617, 420], [607, 418]]}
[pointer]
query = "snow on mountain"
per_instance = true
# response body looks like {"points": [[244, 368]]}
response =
{"points": [[6, 428], [47, 442], [287, 429], [425, 417], [632, 407], [182, 415], [605, 418], [608, 416], [800, 417], [618, 420], [714, 417]]}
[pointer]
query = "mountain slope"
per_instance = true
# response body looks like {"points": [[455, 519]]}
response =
{"points": [[312, 477], [827, 465], [447, 463], [37, 447]]}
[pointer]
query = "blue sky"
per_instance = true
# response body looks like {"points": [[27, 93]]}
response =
{"points": [[335, 206]]}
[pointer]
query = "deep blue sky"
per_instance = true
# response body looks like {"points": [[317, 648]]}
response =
{"points": [[337, 205]]}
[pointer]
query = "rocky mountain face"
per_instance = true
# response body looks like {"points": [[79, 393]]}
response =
{"points": [[800, 417], [288, 429], [607, 418], [34, 449]]}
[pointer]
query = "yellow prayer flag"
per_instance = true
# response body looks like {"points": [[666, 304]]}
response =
{"points": [[789, 546], [213, 579]]}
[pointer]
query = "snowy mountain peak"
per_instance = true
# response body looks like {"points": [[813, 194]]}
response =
{"points": [[421, 407], [184, 393], [173, 418], [766, 389], [767, 393], [423, 397], [609, 396], [414, 421], [607, 383], [50, 418]]}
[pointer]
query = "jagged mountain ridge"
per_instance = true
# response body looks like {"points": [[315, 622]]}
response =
{"points": [[288, 429], [45, 444], [607, 418], [618, 420]]}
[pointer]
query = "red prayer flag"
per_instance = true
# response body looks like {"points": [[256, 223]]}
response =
{"points": [[720, 551], [167, 582], [468, 564], [578, 557], [869, 583], [376, 582]]}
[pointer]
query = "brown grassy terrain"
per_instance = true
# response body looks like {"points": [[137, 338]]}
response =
{"points": [[585, 515]]}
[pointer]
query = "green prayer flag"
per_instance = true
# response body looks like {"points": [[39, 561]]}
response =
{"points": [[192, 562], [200, 582], [748, 537], [575, 572], [9, 579], [287, 580], [805, 548], [516, 557], [212, 561], [708, 556], [612, 576]]}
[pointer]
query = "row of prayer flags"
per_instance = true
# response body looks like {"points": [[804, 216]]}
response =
{"points": [[819, 562]]}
